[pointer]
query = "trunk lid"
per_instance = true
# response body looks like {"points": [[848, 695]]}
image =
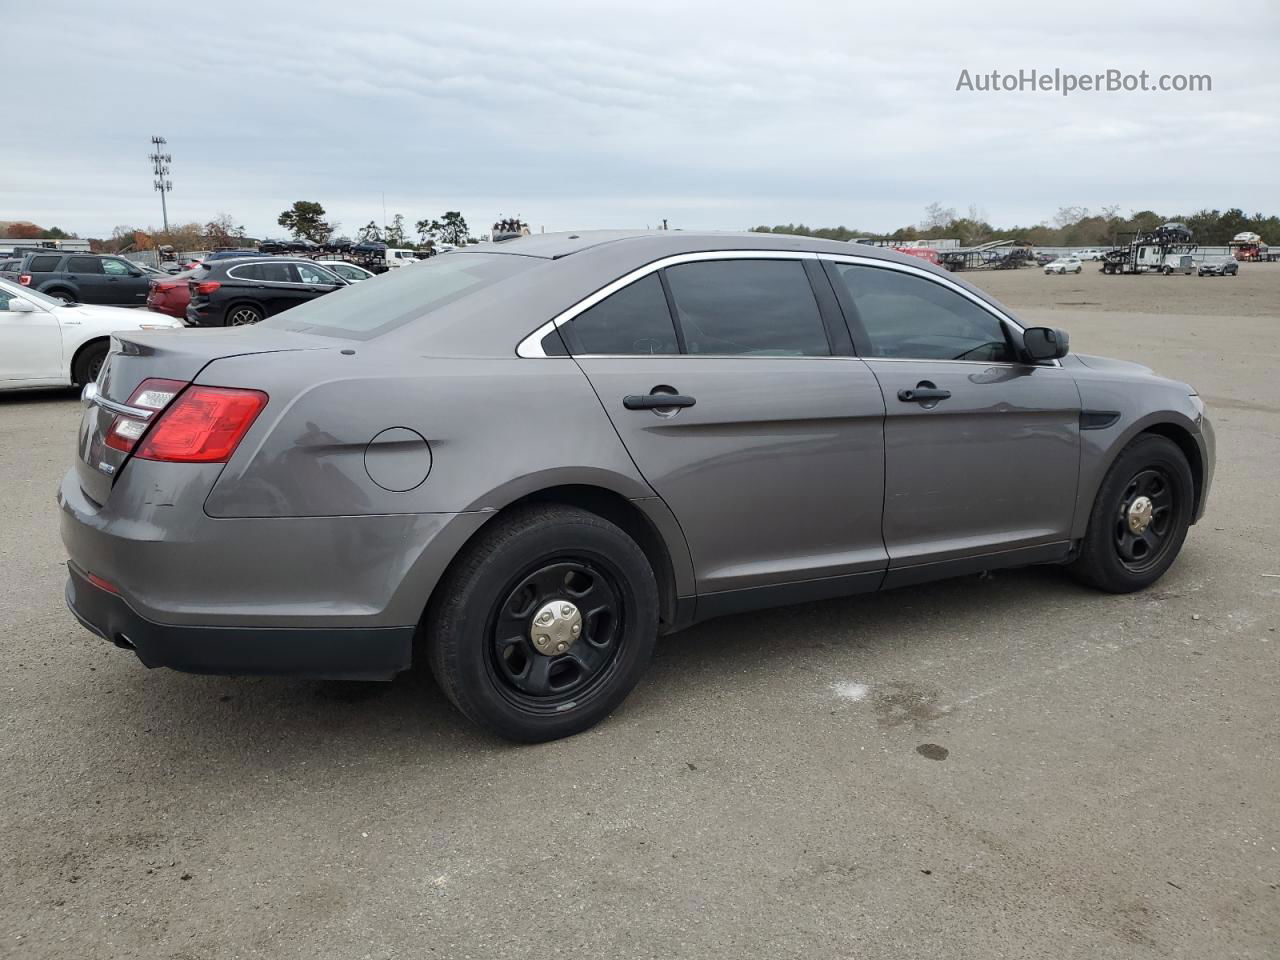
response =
{"points": [[176, 354]]}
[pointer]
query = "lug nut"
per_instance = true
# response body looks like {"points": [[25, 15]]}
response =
{"points": [[561, 647], [577, 629], [566, 610]]}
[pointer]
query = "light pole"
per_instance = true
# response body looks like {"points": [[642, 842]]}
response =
{"points": [[160, 167]]}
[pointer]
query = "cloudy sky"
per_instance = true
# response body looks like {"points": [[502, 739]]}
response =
{"points": [[599, 114]]}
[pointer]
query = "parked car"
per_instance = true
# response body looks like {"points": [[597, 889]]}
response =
{"points": [[215, 255], [85, 278], [400, 257], [9, 268], [45, 342], [1064, 265], [171, 294], [234, 293], [1045, 258], [537, 499], [1092, 254], [350, 272], [1209, 267]]}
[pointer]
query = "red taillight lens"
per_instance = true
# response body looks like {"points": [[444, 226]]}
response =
{"points": [[25, 279], [152, 394], [204, 425], [208, 286], [101, 583]]}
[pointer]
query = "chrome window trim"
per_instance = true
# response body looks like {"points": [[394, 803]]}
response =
{"points": [[531, 346], [231, 272]]}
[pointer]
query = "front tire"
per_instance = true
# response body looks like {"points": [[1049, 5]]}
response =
{"points": [[544, 624], [88, 362], [1139, 519]]}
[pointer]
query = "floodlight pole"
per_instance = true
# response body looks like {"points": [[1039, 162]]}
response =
{"points": [[160, 167]]}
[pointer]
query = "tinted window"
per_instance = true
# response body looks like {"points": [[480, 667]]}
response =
{"points": [[84, 265], [44, 264], [761, 307], [115, 268], [365, 310], [274, 272], [635, 320], [909, 316]]}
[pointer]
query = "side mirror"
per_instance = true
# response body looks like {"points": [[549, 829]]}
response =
{"points": [[1045, 343], [18, 305]]}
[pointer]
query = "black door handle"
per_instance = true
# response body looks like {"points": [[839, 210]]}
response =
{"points": [[652, 401], [923, 394]]}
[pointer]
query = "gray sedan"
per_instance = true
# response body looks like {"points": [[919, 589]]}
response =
{"points": [[528, 460]]}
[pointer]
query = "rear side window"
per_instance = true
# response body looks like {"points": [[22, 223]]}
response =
{"points": [[910, 317], [44, 264], [747, 307], [84, 265], [364, 310], [274, 272], [635, 320]]}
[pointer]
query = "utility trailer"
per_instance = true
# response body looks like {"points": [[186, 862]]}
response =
{"points": [[1166, 249], [986, 256]]}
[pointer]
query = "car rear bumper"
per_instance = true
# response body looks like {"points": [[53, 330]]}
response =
{"points": [[343, 653], [323, 596]]}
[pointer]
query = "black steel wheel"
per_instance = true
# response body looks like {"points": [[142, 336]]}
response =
{"points": [[1144, 519], [1139, 518], [544, 623], [556, 633]]}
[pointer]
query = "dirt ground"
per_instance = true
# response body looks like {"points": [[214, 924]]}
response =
{"points": [[1252, 293], [1000, 767]]}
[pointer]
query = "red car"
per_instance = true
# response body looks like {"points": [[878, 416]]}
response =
{"points": [[170, 295]]}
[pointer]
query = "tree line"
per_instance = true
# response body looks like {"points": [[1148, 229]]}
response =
{"points": [[1070, 227], [305, 220]]}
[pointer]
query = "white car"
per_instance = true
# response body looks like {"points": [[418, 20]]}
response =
{"points": [[1064, 265], [47, 343], [1088, 255], [400, 257]]}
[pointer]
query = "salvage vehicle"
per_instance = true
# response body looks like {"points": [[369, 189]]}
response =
{"points": [[234, 293], [45, 342], [534, 457]]}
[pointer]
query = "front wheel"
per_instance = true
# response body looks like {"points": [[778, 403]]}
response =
{"points": [[544, 624], [1140, 517], [88, 363]]}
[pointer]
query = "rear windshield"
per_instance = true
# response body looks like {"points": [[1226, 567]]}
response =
{"points": [[365, 310]]}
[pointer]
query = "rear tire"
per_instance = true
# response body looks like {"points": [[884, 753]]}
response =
{"points": [[66, 296], [242, 315], [483, 623], [1114, 555], [88, 362]]}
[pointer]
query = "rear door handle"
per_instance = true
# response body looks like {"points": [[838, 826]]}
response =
{"points": [[923, 393], [654, 401]]}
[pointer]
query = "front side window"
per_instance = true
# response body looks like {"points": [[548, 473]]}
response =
{"points": [[747, 307], [115, 268], [310, 274], [633, 321], [911, 317], [4, 301]]}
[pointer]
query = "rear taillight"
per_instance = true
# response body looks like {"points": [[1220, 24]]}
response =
{"points": [[152, 394], [204, 425], [25, 279], [207, 287]]}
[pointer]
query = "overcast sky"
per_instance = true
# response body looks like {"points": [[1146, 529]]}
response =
{"points": [[585, 115]]}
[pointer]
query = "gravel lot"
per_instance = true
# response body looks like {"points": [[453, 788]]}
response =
{"points": [[989, 767]]}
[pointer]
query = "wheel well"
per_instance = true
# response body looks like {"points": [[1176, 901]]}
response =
{"points": [[80, 351], [621, 512], [1187, 444], [57, 288]]}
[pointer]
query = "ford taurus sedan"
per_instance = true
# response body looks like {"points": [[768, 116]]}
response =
{"points": [[528, 460]]}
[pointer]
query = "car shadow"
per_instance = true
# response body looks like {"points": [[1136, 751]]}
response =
{"points": [[38, 395], [237, 727]]}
